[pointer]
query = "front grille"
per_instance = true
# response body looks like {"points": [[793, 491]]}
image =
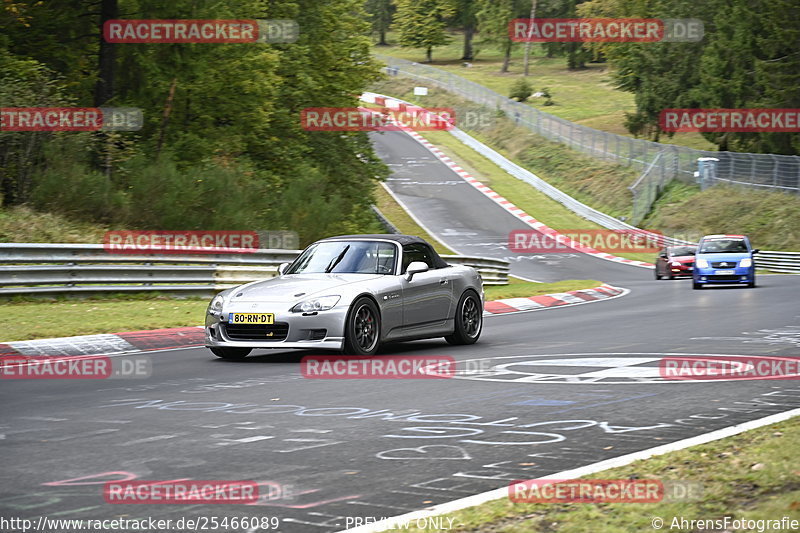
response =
{"points": [[724, 278], [256, 332], [724, 264]]}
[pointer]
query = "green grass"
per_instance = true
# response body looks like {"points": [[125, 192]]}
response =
{"points": [[64, 318], [771, 219], [23, 224], [586, 96], [518, 288], [600, 184], [732, 486]]}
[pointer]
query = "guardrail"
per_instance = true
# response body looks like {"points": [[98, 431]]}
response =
{"points": [[787, 262], [80, 269]]}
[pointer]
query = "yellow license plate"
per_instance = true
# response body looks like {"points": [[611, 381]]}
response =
{"points": [[251, 318]]}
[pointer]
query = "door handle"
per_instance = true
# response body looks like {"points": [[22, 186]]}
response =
{"points": [[443, 282]]}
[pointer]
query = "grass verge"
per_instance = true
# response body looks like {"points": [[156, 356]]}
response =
{"points": [[41, 319], [65, 318], [771, 219], [23, 224], [753, 475], [585, 96]]}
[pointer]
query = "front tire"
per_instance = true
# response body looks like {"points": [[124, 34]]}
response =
{"points": [[235, 354], [469, 320], [658, 276], [697, 286], [362, 328]]}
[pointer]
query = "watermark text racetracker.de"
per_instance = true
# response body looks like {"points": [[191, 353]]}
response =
{"points": [[74, 367], [71, 119], [201, 31], [571, 240], [377, 119], [383, 367], [603, 491], [608, 30], [729, 367], [730, 120], [178, 242], [180, 492]]}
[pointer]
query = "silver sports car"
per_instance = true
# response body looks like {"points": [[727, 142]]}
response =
{"points": [[350, 293]]}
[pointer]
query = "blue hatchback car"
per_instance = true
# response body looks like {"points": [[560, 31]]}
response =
{"points": [[724, 259]]}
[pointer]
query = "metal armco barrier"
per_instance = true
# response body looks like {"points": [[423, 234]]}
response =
{"points": [[788, 262], [51, 269]]}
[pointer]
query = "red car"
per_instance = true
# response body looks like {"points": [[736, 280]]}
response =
{"points": [[674, 261]]}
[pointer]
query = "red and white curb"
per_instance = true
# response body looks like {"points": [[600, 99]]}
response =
{"points": [[108, 343], [191, 336], [549, 301], [502, 202]]}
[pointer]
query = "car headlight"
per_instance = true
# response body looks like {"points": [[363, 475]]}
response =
{"points": [[746, 262], [216, 304], [701, 263], [323, 303]]}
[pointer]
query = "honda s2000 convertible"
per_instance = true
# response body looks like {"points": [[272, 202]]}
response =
{"points": [[350, 293]]}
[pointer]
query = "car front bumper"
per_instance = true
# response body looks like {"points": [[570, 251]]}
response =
{"points": [[322, 330], [683, 270], [711, 275]]}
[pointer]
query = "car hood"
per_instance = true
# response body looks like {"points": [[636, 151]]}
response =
{"points": [[683, 258], [296, 287]]}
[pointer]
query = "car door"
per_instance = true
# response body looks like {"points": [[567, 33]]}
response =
{"points": [[427, 296]]}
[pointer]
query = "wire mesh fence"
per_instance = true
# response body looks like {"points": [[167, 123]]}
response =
{"points": [[659, 163]]}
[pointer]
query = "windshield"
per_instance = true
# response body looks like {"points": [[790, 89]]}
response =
{"points": [[682, 250], [723, 246], [346, 257]]}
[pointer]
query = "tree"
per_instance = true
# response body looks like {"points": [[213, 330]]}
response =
{"points": [[465, 18], [226, 117], [526, 60], [748, 58], [380, 16], [658, 74], [422, 23], [492, 18], [521, 90]]}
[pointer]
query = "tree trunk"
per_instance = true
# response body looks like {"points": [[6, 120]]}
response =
{"points": [[104, 88], [469, 31], [165, 116], [429, 55], [506, 56], [382, 38], [530, 34]]}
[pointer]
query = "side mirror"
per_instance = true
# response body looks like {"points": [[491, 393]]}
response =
{"points": [[282, 268], [415, 268], [756, 250]]}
